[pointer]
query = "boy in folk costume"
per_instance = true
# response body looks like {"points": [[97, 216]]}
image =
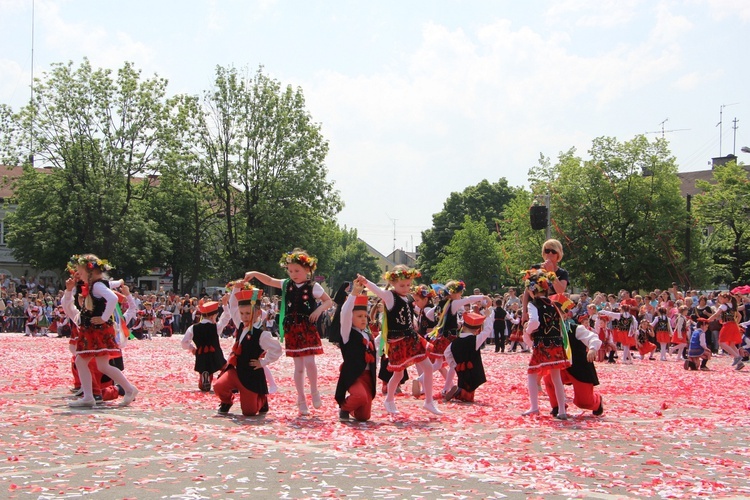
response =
{"points": [[202, 339], [544, 332], [253, 349], [465, 356], [403, 345], [581, 374], [299, 313], [698, 351], [597, 323], [357, 374]]}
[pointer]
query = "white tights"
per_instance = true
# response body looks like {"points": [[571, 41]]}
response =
{"points": [[102, 363], [301, 365], [396, 377]]}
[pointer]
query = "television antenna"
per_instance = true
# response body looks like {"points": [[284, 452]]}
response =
{"points": [[721, 121], [394, 230], [662, 131]]}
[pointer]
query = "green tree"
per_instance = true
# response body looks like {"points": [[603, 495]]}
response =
{"points": [[473, 255], [619, 215], [349, 258], [723, 209], [520, 246], [98, 134], [484, 201], [265, 159]]}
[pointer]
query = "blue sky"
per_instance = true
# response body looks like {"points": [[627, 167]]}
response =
{"points": [[419, 99]]}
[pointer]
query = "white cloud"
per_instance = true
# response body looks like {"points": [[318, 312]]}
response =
{"points": [[593, 13], [724, 9]]}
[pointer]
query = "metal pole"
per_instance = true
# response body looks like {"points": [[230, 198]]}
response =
{"points": [[546, 203]]}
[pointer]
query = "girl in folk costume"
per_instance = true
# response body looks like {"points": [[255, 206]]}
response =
{"points": [[64, 328], [544, 331], [730, 334], [643, 342], [426, 322], [402, 344], [663, 329], [299, 312], [465, 357], [446, 330], [681, 332], [357, 375], [149, 320], [624, 329], [516, 329], [202, 339], [254, 348], [33, 315], [96, 336], [597, 323]]}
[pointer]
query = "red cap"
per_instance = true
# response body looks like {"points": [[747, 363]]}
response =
{"points": [[473, 319], [703, 320], [208, 307], [360, 302], [249, 295]]}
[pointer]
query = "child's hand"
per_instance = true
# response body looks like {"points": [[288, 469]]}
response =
{"points": [[248, 276], [591, 356], [125, 290], [357, 288], [361, 280], [255, 363], [70, 284]]}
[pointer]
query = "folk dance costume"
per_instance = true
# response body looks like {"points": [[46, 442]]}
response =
{"points": [[447, 329], [357, 375], [730, 333], [251, 344], [624, 330], [546, 337], [202, 339], [663, 330], [698, 351], [64, 328], [33, 314], [680, 336], [644, 345], [300, 336], [581, 374], [465, 356]]}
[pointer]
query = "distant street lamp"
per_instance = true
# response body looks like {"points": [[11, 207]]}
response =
{"points": [[745, 149]]}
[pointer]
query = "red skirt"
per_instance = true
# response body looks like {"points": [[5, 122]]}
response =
{"points": [[302, 339], [406, 351], [662, 337], [678, 339], [439, 345], [646, 348], [96, 341], [545, 358], [730, 334]]}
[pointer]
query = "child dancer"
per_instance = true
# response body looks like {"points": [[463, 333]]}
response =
{"points": [[642, 342], [465, 357], [446, 330], [730, 334], [584, 346], [209, 358], [96, 336], [357, 374], [299, 312], [253, 349], [663, 329], [680, 333], [426, 321], [544, 333], [698, 351], [624, 329], [403, 345]]}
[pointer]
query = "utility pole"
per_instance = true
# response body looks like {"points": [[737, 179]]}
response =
{"points": [[734, 142], [394, 231], [721, 122]]}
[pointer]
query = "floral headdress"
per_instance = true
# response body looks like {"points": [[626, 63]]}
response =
{"points": [[90, 261], [300, 258], [402, 274], [538, 279], [245, 285], [424, 291], [455, 286]]}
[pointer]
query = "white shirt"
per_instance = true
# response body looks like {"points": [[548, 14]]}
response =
{"points": [[480, 338], [268, 342]]}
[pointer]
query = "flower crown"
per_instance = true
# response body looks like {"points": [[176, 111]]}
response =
{"points": [[89, 261], [245, 285], [402, 274], [302, 259], [456, 287], [424, 291], [538, 279]]}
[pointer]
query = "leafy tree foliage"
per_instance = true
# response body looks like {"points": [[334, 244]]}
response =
{"points": [[97, 132], [484, 201], [724, 209], [473, 255], [349, 258], [619, 215], [264, 159]]}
